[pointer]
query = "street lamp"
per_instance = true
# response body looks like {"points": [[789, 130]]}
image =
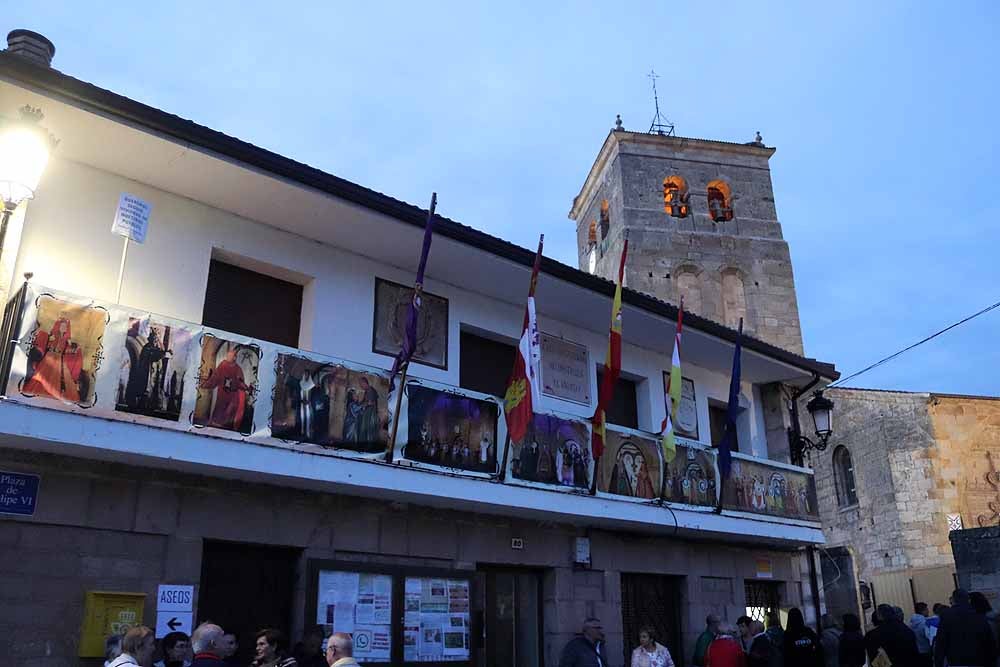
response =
{"points": [[24, 152], [821, 409]]}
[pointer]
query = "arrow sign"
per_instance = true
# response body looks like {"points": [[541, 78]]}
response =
{"points": [[175, 621], [173, 624]]}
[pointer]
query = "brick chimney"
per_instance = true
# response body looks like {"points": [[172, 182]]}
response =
{"points": [[31, 46]]}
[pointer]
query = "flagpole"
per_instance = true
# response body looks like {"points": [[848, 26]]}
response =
{"points": [[730, 424], [503, 466]]}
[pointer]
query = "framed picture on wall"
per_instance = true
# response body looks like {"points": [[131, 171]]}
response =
{"points": [[392, 301], [686, 424]]}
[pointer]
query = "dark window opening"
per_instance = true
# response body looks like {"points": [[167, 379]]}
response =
{"points": [[624, 408], [843, 477], [717, 426], [245, 302], [605, 219], [484, 364]]}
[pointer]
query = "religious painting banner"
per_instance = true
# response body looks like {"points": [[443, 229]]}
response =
{"points": [[691, 477], [761, 488], [228, 384], [631, 466], [154, 366], [449, 428], [555, 453], [330, 403], [59, 350]]}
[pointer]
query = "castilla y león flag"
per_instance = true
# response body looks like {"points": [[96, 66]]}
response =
{"points": [[612, 364], [672, 395], [523, 394]]}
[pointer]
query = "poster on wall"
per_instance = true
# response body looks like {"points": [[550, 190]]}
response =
{"points": [[359, 604], [154, 366], [63, 350], [690, 477], [392, 302], [556, 451], [436, 624], [686, 424], [330, 404], [451, 430], [765, 489], [227, 384], [565, 369], [630, 466]]}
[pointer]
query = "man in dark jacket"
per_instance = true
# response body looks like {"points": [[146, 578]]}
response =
{"points": [[586, 650], [963, 636], [892, 636]]}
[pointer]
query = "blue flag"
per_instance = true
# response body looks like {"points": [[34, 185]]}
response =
{"points": [[732, 412]]}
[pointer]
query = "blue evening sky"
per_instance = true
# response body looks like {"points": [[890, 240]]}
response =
{"points": [[884, 116]]}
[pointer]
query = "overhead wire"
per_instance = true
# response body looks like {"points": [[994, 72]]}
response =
{"points": [[892, 356]]}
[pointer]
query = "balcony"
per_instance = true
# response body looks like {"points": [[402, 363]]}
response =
{"points": [[120, 384]]}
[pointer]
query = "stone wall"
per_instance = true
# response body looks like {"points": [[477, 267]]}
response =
{"points": [[706, 261], [116, 527]]}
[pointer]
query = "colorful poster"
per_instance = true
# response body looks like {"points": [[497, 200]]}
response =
{"points": [[555, 451], [64, 350], [330, 405], [451, 430], [630, 466], [436, 623], [690, 477], [227, 384], [360, 605], [760, 488], [154, 368]]}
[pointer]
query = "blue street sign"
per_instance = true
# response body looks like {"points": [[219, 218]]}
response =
{"points": [[18, 493]]}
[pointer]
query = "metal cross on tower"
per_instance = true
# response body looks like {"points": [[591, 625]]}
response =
{"points": [[660, 124]]}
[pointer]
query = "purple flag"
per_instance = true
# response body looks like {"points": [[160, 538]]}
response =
{"points": [[413, 313]]}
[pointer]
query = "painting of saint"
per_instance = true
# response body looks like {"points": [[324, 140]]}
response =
{"points": [[227, 384], [451, 430], [630, 466], [153, 370], [328, 404], [690, 477], [554, 451], [64, 351], [755, 486]]}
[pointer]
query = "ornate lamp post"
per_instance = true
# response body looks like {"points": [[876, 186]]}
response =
{"points": [[24, 151], [821, 409]]}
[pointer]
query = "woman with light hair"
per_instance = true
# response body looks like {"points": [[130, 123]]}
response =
{"points": [[649, 652], [137, 648]]}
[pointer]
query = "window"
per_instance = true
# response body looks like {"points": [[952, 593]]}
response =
{"points": [[689, 288], [717, 425], [720, 201], [484, 364], [624, 410], [253, 304], [843, 477], [675, 196], [734, 300], [605, 219]]}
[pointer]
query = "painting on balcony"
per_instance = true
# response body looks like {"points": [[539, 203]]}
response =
{"points": [[392, 302], [330, 404], [690, 477], [763, 489], [153, 368], [227, 384], [630, 466], [555, 451], [64, 350], [451, 430]]}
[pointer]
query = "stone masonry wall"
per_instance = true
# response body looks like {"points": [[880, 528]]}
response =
{"points": [[117, 527]]}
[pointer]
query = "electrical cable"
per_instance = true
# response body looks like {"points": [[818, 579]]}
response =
{"points": [[918, 343]]}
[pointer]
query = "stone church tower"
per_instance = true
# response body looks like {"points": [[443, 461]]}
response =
{"points": [[702, 223]]}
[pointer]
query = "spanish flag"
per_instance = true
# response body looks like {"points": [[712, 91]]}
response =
{"points": [[612, 364], [523, 394], [672, 393]]}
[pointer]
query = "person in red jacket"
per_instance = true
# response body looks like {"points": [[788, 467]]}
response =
{"points": [[725, 649]]}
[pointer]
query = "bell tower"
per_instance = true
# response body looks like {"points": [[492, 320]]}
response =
{"points": [[702, 223]]}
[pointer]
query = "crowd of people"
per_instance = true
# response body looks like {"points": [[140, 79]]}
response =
{"points": [[210, 646], [966, 634]]}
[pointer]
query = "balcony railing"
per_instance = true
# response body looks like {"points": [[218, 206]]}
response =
{"points": [[76, 354]]}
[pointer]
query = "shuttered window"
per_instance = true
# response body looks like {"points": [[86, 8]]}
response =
{"points": [[624, 408], [484, 364], [253, 304]]}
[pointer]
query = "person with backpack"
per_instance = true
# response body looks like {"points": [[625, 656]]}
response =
{"points": [[802, 646]]}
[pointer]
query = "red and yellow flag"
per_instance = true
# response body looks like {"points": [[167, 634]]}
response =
{"points": [[612, 364], [523, 393]]}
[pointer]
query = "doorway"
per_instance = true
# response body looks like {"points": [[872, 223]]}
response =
{"points": [[245, 588], [763, 597], [653, 600], [512, 617]]}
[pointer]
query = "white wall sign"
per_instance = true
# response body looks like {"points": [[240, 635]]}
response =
{"points": [[565, 369], [174, 609], [132, 218]]}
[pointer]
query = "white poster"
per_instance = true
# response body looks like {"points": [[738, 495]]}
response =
{"points": [[436, 620], [359, 604]]}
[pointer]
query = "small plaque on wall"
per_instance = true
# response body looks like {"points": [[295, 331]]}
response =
{"points": [[565, 367], [686, 424]]}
